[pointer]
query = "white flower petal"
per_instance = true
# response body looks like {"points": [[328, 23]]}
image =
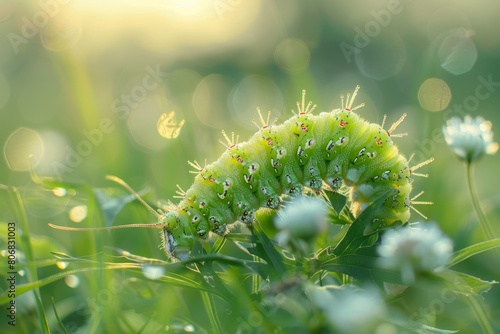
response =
{"points": [[414, 249], [471, 138]]}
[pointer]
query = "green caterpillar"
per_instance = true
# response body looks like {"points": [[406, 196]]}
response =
{"points": [[332, 149]]}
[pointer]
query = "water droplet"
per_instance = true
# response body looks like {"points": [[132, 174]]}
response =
{"points": [[153, 272], [59, 192], [72, 281], [62, 264], [21, 272], [189, 328]]}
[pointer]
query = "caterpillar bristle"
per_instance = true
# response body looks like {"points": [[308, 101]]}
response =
{"points": [[196, 166], [413, 202], [399, 135], [420, 165], [358, 106], [421, 175], [395, 125], [302, 108], [170, 206], [422, 203], [350, 100], [383, 121], [264, 123], [420, 213], [417, 196], [230, 142], [181, 194]]}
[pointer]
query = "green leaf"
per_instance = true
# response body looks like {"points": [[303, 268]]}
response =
{"points": [[361, 267], [355, 236], [269, 254], [464, 284], [424, 329], [475, 249], [337, 200], [59, 321]]}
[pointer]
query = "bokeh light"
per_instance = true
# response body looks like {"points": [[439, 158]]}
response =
{"points": [[434, 94], [6, 9], [292, 55], [23, 149], [59, 192], [168, 127], [457, 52], [254, 92], [62, 265], [210, 100], [62, 32], [37, 100], [72, 281], [383, 57], [153, 272], [78, 213], [142, 119]]}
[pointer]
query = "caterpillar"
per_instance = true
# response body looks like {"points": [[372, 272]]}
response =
{"points": [[330, 150]]}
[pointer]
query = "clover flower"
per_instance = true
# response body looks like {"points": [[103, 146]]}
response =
{"points": [[303, 218], [414, 250], [349, 309], [469, 139]]}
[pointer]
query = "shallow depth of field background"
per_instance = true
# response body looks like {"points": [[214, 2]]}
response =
{"points": [[109, 69]]}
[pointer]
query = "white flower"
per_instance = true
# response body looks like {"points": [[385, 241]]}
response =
{"points": [[471, 138], [414, 250], [303, 218], [349, 309]]}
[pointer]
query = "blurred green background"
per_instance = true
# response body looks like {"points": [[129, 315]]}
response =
{"points": [[83, 85]]}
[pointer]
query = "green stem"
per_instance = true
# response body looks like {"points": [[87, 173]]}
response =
{"points": [[471, 187], [211, 312], [25, 237], [478, 309]]}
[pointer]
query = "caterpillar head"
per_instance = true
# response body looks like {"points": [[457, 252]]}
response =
{"points": [[176, 235]]}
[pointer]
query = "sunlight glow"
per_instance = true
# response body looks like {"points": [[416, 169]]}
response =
{"points": [[78, 213]]}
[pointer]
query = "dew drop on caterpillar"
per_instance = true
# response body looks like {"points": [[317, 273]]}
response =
{"points": [[330, 150]]}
